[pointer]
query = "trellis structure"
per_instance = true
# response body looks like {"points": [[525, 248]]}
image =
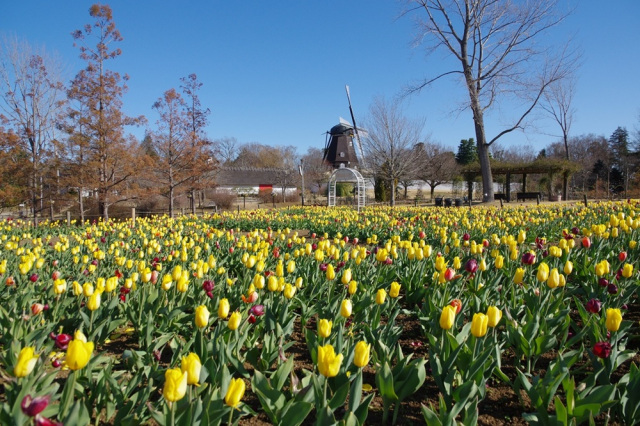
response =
{"points": [[345, 174]]}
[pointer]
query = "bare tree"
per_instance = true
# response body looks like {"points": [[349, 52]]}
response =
{"points": [[389, 144], [198, 119], [557, 103], [31, 99], [316, 170], [176, 153], [496, 43], [226, 149], [437, 165]]}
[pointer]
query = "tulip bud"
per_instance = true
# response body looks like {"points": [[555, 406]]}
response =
{"points": [[191, 365], [328, 362], [346, 308], [479, 325], [494, 315], [394, 291], [324, 328], [447, 318], [202, 316], [235, 392], [362, 354], [381, 295], [234, 320], [614, 318], [223, 308], [593, 306]]}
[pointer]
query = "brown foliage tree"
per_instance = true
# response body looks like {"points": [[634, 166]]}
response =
{"points": [[97, 95]]}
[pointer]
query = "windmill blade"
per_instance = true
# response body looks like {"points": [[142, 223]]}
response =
{"points": [[355, 128], [345, 122]]}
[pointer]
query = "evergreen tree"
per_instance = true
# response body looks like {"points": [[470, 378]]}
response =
{"points": [[620, 159], [467, 152]]}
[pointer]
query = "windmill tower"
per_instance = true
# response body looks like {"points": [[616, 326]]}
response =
{"points": [[343, 140]]}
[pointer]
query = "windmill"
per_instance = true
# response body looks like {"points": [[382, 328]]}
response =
{"points": [[340, 150], [340, 153]]}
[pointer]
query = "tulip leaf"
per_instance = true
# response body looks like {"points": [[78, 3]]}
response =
{"points": [[384, 381], [78, 415], [295, 413], [355, 395], [339, 397], [363, 409], [281, 374]]}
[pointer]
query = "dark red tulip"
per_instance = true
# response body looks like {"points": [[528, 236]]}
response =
{"points": [[207, 285], [471, 266], [603, 282], [257, 310], [602, 349], [594, 306], [528, 258], [612, 289], [33, 406]]}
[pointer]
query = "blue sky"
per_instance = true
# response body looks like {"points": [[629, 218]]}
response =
{"points": [[274, 71]]}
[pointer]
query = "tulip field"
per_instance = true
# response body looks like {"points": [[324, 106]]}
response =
{"points": [[310, 315]]}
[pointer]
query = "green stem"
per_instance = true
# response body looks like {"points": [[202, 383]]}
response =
{"points": [[324, 393], [173, 413], [231, 416]]}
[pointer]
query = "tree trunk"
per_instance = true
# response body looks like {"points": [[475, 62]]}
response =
{"points": [[433, 191], [565, 185], [80, 203], [392, 202], [485, 167], [171, 201]]}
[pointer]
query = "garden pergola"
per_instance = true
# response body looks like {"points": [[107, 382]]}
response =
{"points": [[546, 166]]}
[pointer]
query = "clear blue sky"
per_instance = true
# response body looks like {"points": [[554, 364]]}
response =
{"points": [[274, 71]]}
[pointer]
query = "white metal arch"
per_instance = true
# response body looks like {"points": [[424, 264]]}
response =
{"points": [[345, 174]]}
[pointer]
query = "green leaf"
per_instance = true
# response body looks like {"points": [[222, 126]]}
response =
{"points": [[295, 413], [384, 380], [430, 417]]}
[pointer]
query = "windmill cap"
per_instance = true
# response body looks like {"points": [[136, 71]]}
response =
{"points": [[340, 129]]}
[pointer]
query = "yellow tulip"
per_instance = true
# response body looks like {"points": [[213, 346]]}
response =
{"points": [[191, 365], [289, 291], [175, 384], [362, 354], [272, 283], [235, 392], [291, 267], [495, 315], [346, 308], [328, 362], [381, 295], [59, 286], [94, 301], [26, 362], [614, 318], [353, 287], [78, 354], [324, 328], [543, 272], [79, 335], [394, 291], [223, 308], [518, 278], [499, 262], [87, 289], [202, 316], [346, 276], [554, 278], [479, 324], [234, 320], [331, 272], [448, 317], [568, 267], [627, 270]]}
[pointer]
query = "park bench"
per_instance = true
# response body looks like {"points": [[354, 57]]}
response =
{"points": [[529, 196]]}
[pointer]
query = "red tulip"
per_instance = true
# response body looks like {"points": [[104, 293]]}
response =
{"points": [[33, 406], [586, 242], [602, 349]]}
